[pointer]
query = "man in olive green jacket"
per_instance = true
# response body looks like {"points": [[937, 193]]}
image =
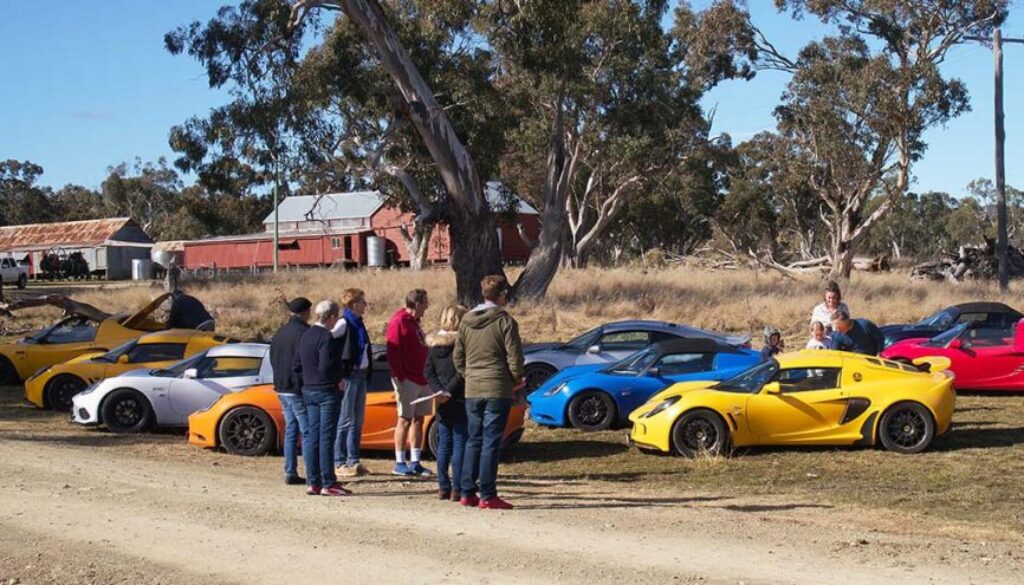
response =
{"points": [[489, 355]]}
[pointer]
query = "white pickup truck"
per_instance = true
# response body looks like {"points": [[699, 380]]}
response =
{"points": [[13, 273]]}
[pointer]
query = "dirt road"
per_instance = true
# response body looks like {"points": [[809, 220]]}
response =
{"points": [[93, 508]]}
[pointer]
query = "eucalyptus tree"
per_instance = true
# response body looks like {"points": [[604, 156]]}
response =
{"points": [[858, 104]]}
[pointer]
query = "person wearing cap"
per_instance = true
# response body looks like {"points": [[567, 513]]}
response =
{"points": [[282, 354]]}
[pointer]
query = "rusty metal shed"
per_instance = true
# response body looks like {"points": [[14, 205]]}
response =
{"points": [[108, 245]]}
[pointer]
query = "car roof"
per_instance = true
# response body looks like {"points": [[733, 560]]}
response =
{"points": [[654, 325], [693, 345], [239, 350], [984, 307]]}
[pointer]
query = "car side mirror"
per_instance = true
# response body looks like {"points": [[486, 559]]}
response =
{"points": [[772, 388], [594, 349], [654, 372], [123, 358], [190, 374]]}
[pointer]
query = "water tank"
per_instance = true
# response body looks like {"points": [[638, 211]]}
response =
{"points": [[142, 269], [163, 257], [375, 247]]}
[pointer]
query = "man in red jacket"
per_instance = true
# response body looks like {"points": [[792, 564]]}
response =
{"points": [[407, 356]]}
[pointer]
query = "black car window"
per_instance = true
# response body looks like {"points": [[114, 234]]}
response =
{"points": [[943, 339], [625, 340], [634, 363], [677, 364], [807, 379], [156, 352], [112, 355], [228, 366]]}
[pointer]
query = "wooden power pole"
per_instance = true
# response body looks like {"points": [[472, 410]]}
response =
{"points": [[997, 41]]}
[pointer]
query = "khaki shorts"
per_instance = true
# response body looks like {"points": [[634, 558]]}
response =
{"points": [[405, 393]]}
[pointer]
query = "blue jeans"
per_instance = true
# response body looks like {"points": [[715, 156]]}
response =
{"points": [[451, 447], [318, 444], [350, 423], [487, 420], [294, 410]]}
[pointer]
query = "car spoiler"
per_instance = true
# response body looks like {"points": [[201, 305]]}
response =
{"points": [[932, 363]]}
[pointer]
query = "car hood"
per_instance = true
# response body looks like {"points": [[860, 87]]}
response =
{"points": [[683, 388], [85, 357]]}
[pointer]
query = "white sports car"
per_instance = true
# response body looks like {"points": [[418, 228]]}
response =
{"points": [[139, 399]]}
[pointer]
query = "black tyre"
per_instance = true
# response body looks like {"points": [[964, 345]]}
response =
{"points": [[22, 280], [433, 438], [592, 410], [247, 431], [537, 374], [907, 427], [61, 389], [700, 432], [126, 411], [8, 373]]}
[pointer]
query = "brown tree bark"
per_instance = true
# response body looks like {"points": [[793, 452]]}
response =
{"points": [[66, 304]]}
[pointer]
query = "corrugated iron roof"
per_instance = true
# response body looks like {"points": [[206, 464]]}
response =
{"points": [[356, 204], [90, 232]]}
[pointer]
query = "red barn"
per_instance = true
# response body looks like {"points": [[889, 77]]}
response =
{"points": [[350, 229]]}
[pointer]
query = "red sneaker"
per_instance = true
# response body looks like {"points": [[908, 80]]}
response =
{"points": [[313, 490], [495, 503], [335, 489], [470, 501]]}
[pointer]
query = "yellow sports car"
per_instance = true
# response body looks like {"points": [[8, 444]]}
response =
{"points": [[811, 397], [73, 336], [54, 386]]}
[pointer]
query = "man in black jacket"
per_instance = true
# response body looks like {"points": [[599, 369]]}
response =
{"points": [[322, 369], [188, 312], [283, 347]]}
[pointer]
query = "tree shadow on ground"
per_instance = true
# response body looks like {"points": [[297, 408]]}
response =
{"points": [[975, 437], [752, 508], [93, 437], [577, 502], [551, 451]]}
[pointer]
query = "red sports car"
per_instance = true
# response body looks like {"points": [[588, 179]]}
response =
{"points": [[983, 357]]}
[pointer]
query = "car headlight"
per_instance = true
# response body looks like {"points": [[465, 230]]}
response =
{"points": [[663, 405], [554, 390]]}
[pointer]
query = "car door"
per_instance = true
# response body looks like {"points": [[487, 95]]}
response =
{"points": [[987, 358], [808, 405], [215, 376], [613, 346]]}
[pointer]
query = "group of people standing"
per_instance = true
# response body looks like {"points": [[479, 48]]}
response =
{"points": [[831, 327], [471, 369]]}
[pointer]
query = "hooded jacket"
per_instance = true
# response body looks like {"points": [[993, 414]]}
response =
{"points": [[489, 353], [442, 376]]}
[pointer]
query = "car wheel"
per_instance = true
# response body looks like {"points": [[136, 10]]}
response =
{"points": [[592, 410], [537, 374], [8, 373], [22, 281], [127, 411], [907, 427], [61, 389], [699, 432], [247, 431], [433, 438]]}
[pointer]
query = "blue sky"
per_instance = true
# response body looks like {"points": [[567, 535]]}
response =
{"points": [[88, 84]]}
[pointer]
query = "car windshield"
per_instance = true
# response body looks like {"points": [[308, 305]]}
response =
{"points": [[940, 320], [582, 342], [943, 339], [113, 355], [635, 363], [750, 380], [176, 370], [75, 329]]}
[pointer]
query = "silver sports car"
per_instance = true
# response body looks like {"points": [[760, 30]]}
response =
{"points": [[609, 343], [139, 399]]}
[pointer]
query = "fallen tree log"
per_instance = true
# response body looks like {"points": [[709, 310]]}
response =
{"points": [[969, 262], [66, 304]]}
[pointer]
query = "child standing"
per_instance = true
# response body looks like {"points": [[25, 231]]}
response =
{"points": [[818, 340], [773, 344]]}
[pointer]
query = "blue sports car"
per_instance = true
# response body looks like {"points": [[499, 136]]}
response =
{"points": [[596, 397]]}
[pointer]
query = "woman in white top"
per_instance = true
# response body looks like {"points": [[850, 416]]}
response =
{"points": [[822, 313]]}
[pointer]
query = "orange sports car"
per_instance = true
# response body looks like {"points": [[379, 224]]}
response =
{"points": [[250, 422]]}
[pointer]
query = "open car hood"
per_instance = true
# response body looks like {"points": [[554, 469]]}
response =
{"points": [[141, 320]]}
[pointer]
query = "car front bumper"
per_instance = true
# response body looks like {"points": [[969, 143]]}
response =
{"points": [[85, 409]]}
